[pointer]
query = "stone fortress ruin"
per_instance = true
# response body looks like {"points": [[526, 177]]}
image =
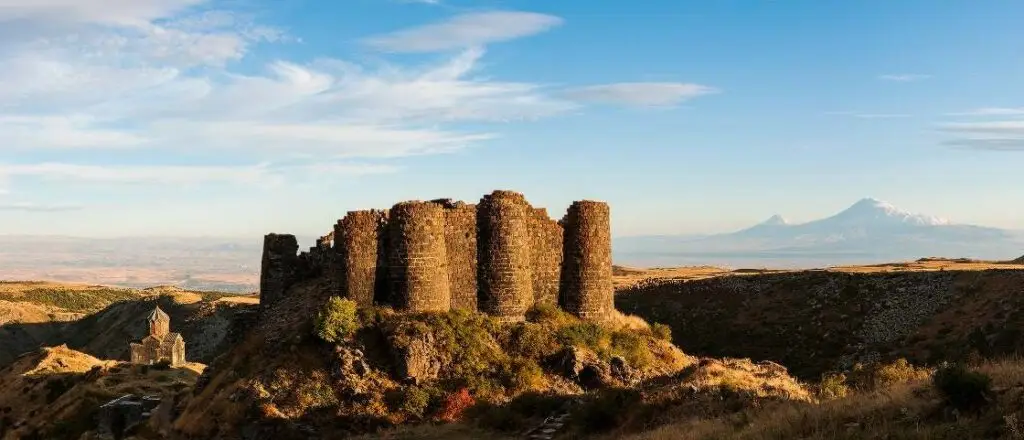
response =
{"points": [[500, 257]]}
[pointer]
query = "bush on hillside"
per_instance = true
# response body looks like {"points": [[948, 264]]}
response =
{"points": [[833, 386], [585, 334], [338, 320], [881, 375], [662, 331], [532, 340], [962, 388], [454, 407]]}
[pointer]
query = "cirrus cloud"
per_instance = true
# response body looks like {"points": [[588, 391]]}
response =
{"points": [[465, 31], [992, 135], [640, 94]]}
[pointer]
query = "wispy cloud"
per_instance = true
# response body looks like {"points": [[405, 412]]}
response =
{"points": [[992, 111], [882, 115], [465, 31], [903, 77], [987, 144], [870, 115], [640, 94], [257, 174], [36, 207], [992, 135], [119, 89]]}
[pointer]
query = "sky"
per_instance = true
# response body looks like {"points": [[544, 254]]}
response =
{"points": [[243, 117]]}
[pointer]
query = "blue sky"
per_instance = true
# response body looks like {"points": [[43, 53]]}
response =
{"points": [[240, 117]]}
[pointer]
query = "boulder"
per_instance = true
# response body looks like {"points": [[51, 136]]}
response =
{"points": [[419, 362]]}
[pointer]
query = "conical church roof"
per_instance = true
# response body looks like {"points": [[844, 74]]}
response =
{"points": [[158, 315]]}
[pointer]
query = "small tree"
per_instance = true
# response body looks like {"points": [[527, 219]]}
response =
{"points": [[337, 320]]}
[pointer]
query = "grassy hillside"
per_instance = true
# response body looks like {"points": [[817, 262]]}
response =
{"points": [[101, 320], [326, 370], [54, 393]]}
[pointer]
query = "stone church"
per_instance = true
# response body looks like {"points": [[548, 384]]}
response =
{"points": [[161, 344]]}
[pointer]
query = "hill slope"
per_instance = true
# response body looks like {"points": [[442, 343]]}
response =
{"points": [[399, 369], [54, 393], [37, 314], [816, 321]]}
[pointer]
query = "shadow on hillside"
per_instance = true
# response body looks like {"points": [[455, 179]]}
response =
{"points": [[812, 322], [65, 405], [107, 333]]}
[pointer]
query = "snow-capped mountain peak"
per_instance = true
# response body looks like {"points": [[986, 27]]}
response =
{"points": [[775, 220], [874, 210]]}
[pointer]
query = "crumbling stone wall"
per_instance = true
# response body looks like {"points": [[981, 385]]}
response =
{"points": [[587, 289], [417, 258], [504, 219], [460, 245], [358, 237], [278, 268], [546, 245]]}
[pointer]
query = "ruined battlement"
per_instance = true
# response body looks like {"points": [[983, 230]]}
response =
{"points": [[500, 256]]}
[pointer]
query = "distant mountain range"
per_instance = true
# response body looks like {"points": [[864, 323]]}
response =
{"points": [[868, 231]]}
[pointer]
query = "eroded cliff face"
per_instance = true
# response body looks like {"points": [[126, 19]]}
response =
{"points": [[816, 321]]}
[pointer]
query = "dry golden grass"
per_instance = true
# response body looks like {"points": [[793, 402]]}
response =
{"points": [[239, 299], [629, 276], [910, 410], [763, 379]]}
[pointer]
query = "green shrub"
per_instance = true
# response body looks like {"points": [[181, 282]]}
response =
{"points": [[337, 320], [585, 334], [521, 375], [532, 341], [632, 346], [72, 300], [833, 386], [962, 388], [549, 315], [412, 401], [662, 331]]}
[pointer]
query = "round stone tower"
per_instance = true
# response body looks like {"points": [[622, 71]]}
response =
{"points": [[278, 268], [416, 257], [356, 242], [587, 289], [504, 255]]}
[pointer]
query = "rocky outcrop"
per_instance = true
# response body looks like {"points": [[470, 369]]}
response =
{"points": [[586, 368], [418, 361]]}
